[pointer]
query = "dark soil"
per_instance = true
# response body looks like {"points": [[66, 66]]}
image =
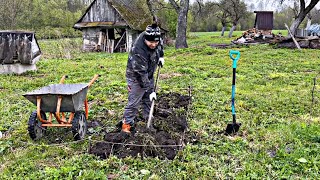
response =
{"points": [[163, 140]]}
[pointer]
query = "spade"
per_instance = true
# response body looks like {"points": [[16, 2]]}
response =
{"points": [[234, 127]]}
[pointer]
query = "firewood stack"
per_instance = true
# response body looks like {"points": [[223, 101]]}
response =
{"points": [[255, 36]]}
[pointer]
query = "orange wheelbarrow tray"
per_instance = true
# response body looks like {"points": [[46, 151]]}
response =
{"points": [[65, 103]]}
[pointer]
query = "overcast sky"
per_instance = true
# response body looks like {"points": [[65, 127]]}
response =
{"points": [[265, 5]]}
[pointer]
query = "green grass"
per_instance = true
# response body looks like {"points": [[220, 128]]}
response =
{"points": [[279, 138]]}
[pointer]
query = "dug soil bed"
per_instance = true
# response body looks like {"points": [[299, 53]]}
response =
{"points": [[163, 140]]}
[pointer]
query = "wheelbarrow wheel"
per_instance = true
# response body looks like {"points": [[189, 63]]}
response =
{"points": [[79, 125], [34, 125]]}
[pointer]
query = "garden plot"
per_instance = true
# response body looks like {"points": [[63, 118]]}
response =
{"points": [[164, 140]]}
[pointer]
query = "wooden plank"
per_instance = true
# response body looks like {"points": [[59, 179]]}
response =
{"points": [[119, 40], [104, 42], [1, 48], [129, 40], [112, 45], [100, 38], [294, 40], [107, 40]]}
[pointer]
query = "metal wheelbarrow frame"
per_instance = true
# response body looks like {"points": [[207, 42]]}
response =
{"points": [[57, 100]]}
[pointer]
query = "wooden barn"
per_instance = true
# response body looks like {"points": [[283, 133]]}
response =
{"points": [[113, 25]]}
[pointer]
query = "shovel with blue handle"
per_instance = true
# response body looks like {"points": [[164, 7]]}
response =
{"points": [[234, 127]]}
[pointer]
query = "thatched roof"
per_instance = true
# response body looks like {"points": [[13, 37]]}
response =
{"points": [[132, 13]]}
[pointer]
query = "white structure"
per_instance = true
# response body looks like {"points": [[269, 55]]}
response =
{"points": [[19, 52]]}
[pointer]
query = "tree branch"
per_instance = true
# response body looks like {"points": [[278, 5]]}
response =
{"points": [[175, 5]]}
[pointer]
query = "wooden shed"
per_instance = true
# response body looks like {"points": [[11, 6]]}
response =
{"points": [[113, 25], [264, 20]]}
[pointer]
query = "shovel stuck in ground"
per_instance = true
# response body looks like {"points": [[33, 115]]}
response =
{"points": [[153, 101], [234, 127]]}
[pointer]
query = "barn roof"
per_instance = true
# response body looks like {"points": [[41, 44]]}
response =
{"points": [[134, 13]]}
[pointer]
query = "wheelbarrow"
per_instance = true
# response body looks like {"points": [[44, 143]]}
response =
{"points": [[64, 102]]}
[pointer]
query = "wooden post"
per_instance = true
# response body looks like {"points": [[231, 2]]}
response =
{"points": [[292, 36], [119, 41], [112, 45], [99, 41], [107, 40]]}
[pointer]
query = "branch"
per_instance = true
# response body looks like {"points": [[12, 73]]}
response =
{"points": [[199, 3], [312, 4], [151, 9], [175, 5], [302, 4], [312, 94]]}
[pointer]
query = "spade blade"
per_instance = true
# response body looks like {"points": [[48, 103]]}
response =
{"points": [[233, 128]]}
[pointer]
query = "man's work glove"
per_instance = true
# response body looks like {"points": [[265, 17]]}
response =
{"points": [[161, 62], [153, 96]]}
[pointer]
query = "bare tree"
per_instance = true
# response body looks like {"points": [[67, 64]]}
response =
{"points": [[156, 7], [236, 9], [9, 12], [181, 32], [224, 19], [312, 15], [302, 13], [223, 15], [151, 8]]}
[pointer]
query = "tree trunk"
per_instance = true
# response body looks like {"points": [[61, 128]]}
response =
{"points": [[302, 14], [181, 38], [297, 22], [231, 30], [222, 31], [308, 23]]}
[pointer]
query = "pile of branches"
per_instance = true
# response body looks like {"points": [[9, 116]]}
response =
{"points": [[255, 36]]}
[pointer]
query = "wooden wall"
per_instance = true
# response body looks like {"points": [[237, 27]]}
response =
{"points": [[101, 39], [264, 20], [101, 11]]}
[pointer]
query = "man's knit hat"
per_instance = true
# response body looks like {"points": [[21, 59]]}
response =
{"points": [[152, 33]]}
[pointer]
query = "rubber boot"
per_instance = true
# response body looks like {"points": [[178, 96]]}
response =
{"points": [[126, 127]]}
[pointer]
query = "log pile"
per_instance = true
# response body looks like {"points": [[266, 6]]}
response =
{"points": [[312, 42], [254, 36]]}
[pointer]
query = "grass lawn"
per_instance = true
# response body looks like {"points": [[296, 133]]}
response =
{"points": [[276, 102]]}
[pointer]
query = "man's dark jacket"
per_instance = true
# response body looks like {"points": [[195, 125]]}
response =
{"points": [[142, 61]]}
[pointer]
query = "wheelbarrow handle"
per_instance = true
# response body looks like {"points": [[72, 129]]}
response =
{"points": [[93, 79], [63, 78]]}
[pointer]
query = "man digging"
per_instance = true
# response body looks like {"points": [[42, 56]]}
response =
{"points": [[145, 55]]}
